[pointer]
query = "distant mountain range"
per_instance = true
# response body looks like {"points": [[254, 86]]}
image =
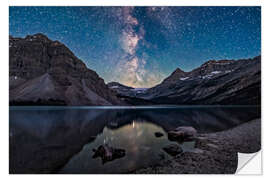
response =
{"points": [[215, 82], [46, 72]]}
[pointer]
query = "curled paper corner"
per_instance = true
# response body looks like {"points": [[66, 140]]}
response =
{"points": [[249, 163]]}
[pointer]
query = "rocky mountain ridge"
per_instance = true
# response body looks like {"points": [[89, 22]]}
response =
{"points": [[235, 82], [46, 72]]}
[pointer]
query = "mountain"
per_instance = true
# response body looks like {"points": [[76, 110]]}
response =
{"points": [[46, 72], [129, 94], [224, 82], [214, 82], [120, 88], [123, 90], [174, 77]]}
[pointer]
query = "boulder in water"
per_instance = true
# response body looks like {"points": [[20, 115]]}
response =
{"points": [[173, 149], [182, 133], [159, 134], [108, 153]]}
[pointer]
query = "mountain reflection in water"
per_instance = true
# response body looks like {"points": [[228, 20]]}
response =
{"points": [[61, 139]]}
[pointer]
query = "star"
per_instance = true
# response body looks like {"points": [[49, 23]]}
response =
{"points": [[140, 46]]}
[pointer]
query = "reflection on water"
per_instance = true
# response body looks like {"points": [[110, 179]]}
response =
{"points": [[61, 140], [138, 139]]}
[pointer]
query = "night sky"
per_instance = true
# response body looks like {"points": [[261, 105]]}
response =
{"points": [[140, 46]]}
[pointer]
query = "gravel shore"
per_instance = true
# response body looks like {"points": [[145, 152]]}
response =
{"points": [[214, 153]]}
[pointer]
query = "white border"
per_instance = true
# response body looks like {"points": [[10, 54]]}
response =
{"points": [[4, 74]]}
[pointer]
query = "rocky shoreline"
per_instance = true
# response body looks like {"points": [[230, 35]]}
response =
{"points": [[214, 153]]}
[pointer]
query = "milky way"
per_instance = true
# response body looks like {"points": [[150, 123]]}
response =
{"points": [[140, 46]]}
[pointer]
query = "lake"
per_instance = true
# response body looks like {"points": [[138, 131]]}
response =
{"points": [[48, 139]]}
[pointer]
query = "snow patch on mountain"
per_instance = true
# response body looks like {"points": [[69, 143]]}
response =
{"points": [[139, 90], [184, 78], [228, 71], [215, 72]]}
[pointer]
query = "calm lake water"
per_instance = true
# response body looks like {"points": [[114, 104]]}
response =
{"points": [[62, 139]]}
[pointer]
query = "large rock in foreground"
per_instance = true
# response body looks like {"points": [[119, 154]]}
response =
{"points": [[108, 153], [46, 72]]}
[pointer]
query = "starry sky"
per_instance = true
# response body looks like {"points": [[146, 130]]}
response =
{"points": [[140, 46]]}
